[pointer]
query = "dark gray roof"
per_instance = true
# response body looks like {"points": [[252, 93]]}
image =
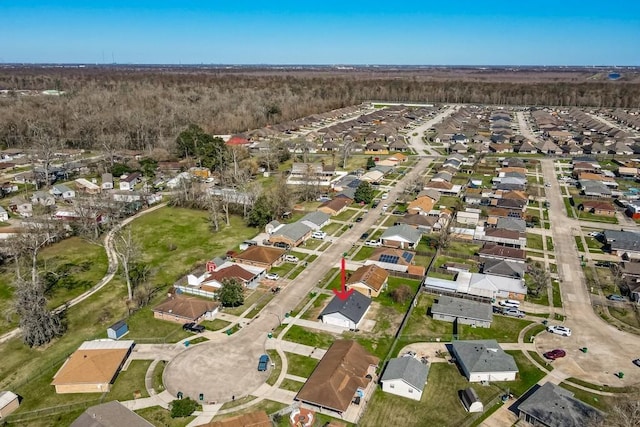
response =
{"points": [[405, 231], [464, 308], [501, 267], [353, 308], [555, 406], [594, 187], [294, 231], [483, 356], [412, 371], [625, 240], [508, 223], [110, 414]]}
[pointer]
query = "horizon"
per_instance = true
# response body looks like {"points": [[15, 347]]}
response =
{"points": [[164, 32]]}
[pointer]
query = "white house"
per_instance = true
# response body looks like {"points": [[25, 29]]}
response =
{"points": [[4, 216], [484, 360], [128, 182], [406, 377], [347, 313], [468, 216], [62, 191], [107, 181], [401, 236]]}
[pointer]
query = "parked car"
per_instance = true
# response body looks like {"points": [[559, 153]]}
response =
{"points": [[560, 330], [375, 204], [604, 264], [615, 297], [385, 207], [397, 212], [385, 196], [637, 362], [282, 245], [193, 327], [364, 236], [291, 258], [511, 303], [266, 242], [594, 234], [319, 235], [359, 219], [555, 354], [513, 312], [271, 276], [373, 243], [263, 362]]}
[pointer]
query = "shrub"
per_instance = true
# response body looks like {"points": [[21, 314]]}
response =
{"points": [[183, 407]]}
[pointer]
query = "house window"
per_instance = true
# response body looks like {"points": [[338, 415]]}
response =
{"points": [[410, 390], [392, 386]]}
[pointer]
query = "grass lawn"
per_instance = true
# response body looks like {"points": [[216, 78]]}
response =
{"points": [[249, 300], [421, 327], [291, 385], [312, 243], [175, 240], [144, 327], [541, 360], [238, 402], [503, 329], [130, 381], [64, 419], [625, 316], [532, 332], [528, 374], [557, 296], [534, 241], [568, 207], [549, 243], [215, 324], [462, 248], [579, 243], [439, 405], [275, 372], [346, 215], [393, 283], [586, 216], [314, 311], [364, 253], [84, 262], [159, 416], [604, 403], [158, 385], [331, 228], [304, 336], [269, 406]]}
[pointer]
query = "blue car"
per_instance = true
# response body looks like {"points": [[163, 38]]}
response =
{"points": [[262, 362]]}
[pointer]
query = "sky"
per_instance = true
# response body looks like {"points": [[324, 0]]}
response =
{"points": [[420, 32]]}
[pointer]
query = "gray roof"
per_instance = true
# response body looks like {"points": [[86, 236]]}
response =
{"points": [[555, 406], [403, 230], [434, 194], [348, 192], [625, 240], [61, 188], [110, 414], [483, 356], [382, 168], [353, 308], [464, 308], [412, 371], [294, 231], [508, 223], [318, 218], [503, 267], [594, 187]]}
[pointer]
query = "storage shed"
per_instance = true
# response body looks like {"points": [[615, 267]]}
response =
{"points": [[9, 402], [117, 330], [470, 400]]}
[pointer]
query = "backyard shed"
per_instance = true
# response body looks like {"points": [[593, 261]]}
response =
{"points": [[117, 330], [470, 400], [9, 402]]}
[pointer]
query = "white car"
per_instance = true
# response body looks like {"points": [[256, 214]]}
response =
{"points": [[374, 243], [385, 207], [594, 234], [384, 196], [319, 235], [510, 303], [272, 276], [560, 330], [291, 258]]}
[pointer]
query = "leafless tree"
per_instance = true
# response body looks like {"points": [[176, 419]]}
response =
{"points": [[128, 251], [540, 278], [624, 413], [46, 145]]}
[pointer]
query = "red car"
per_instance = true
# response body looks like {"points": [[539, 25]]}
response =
{"points": [[555, 354]]}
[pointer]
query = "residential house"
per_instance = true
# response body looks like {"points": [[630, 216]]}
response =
{"points": [[424, 223], [128, 182], [252, 419], [261, 256], [185, 309], [369, 280], [474, 196], [514, 224], [625, 244], [468, 217], [462, 311], [344, 374], [4, 215], [43, 198], [93, 367], [594, 189], [511, 238], [315, 220], [335, 206], [372, 176], [551, 405], [346, 313], [501, 267], [62, 191], [405, 377], [88, 187], [509, 183], [485, 286], [247, 276], [442, 176], [9, 402], [292, 235], [110, 414], [395, 259], [501, 148], [421, 205], [484, 360], [21, 207], [599, 207], [601, 178], [527, 148], [444, 187], [401, 236], [548, 147], [304, 173], [492, 251], [107, 181]]}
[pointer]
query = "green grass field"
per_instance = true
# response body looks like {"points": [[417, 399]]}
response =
{"points": [[301, 366]]}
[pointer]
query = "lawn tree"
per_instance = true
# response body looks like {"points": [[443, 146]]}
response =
{"points": [[128, 252], [310, 187], [347, 147], [370, 163], [540, 278], [443, 238], [213, 207], [231, 293], [364, 193], [38, 325], [280, 197], [261, 213], [181, 408]]}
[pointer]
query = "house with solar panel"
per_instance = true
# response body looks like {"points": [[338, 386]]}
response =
{"points": [[391, 259]]}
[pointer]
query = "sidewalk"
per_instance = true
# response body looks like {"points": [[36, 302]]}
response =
{"points": [[292, 347], [314, 324]]}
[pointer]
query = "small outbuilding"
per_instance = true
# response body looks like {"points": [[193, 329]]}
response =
{"points": [[470, 400], [117, 330], [9, 402]]}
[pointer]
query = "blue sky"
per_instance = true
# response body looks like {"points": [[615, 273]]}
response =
{"points": [[447, 32]]}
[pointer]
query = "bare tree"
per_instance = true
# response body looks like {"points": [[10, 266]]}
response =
{"points": [[444, 238], [46, 145], [624, 413], [540, 278], [128, 251]]}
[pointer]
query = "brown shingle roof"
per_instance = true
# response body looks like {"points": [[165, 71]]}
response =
{"points": [[91, 366], [503, 251], [261, 254], [339, 374], [336, 204], [502, 233], [253, 419], [232, 272], [598, 205], [371, 275], [186, 307]]}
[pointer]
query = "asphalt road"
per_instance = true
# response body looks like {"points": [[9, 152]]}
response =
{"points": [[416, 141], [227, 368]]}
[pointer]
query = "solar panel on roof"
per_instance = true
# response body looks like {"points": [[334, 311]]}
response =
{"points": [[391, 259], [408, 256]]}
